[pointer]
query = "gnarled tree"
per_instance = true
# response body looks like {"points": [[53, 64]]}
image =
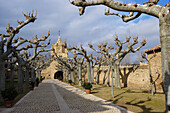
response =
{"points": [[150, 74], [97, 61], [118, 55], [79, 61], [8, 44], [135, 10], [83, 52]]}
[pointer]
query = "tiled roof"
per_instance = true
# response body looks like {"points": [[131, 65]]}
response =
{"points": [[153, 48]]}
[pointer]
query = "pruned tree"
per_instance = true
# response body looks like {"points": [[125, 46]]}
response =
{"points": [[83, 52], [104, 49], [93, 64], [79, 61], [135, 10], [117, 56], [150, 74], [97, 61], [8, 44], [25, 58]]}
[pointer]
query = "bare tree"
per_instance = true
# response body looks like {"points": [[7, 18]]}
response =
{"points": [[150, 74], [25, 58], [149, 8], [8, 41], [98, 61], [79, 61], [83, 52], [117, 56]]}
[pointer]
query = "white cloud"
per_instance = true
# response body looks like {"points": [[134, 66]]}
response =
{"points": [[92, 27]]}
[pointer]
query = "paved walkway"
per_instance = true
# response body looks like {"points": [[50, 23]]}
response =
{"points": [[53, 96]]}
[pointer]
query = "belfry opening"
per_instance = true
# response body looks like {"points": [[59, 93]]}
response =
{"points": [[58, 75]]}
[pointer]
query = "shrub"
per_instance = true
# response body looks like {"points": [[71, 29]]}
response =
{"points": [[32, 84], [70, 81], [9, 93], [87, 85]]}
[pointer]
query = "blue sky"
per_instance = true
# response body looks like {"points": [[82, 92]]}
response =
{"points": [[92, 27]]}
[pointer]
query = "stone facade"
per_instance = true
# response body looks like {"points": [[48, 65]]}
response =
{"points": [[137, 76], [52, 70], [133, 76]]}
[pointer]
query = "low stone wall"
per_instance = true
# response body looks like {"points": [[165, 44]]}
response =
{"points": [[133, 77]]}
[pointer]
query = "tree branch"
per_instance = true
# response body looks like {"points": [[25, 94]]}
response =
{"points": [[153, 9]]}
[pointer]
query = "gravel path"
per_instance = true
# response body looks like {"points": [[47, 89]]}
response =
{"points": [[53, 96]]}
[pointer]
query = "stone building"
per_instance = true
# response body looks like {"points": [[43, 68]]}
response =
{"points": [[133, 76], [155, 63], [53, 71], [137, 76]]}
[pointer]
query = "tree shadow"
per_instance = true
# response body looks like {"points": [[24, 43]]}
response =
{"points": [[97, 88], [126, 74], [93, 92], [138, 104], [120, 94]]}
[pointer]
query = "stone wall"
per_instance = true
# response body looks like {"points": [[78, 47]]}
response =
{"points": [[133, 77], [156, 70]]}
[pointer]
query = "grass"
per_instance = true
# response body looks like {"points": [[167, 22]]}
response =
{"points": [[133, 100]]}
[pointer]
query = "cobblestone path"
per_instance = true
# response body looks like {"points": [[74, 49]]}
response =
{"points": [[53, 96]]}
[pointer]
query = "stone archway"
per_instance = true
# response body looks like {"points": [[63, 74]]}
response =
{"points": [[58, 75]]}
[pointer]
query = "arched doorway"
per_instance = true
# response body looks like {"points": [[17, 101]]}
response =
{"points": [[58, 75]]}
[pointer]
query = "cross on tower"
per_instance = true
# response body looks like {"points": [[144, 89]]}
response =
{"points": [[59, 32]]}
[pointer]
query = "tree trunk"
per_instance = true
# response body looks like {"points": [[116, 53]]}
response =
{"points": [[33, 75], [104, 77], [151, 80], [27, 77], [117, 76], [97, 75], [2, 77], [12, 77], [92, 74], [38, 74], [108, 76], [88, 72], [80, 74], [69, 75], [72, 77], [164, 24], [112, 80], [20, 79]]}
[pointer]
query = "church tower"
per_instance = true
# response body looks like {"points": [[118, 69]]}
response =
{"points": [[59, 48], [52, 71]]}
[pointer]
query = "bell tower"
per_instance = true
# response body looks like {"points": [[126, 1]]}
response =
{"points": [[59, 48], [52, 71]]}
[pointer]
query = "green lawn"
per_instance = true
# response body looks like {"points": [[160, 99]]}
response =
{"points": [[133, 100]]}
